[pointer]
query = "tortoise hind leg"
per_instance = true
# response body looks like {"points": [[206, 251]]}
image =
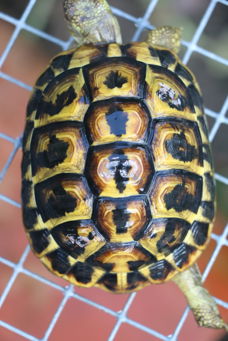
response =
{"points": [[165, 36], [91, 21], [200, 301]]}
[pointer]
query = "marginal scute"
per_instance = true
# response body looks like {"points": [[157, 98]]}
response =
{"points": [[208, 209], [36, 98], [82, 272], [114, 50], [207, 154], [62, 61], [39, 240], [135, 265], [59, 261], [200, 232], [27, 134], [182, 253], [210, 183], [109, 281], [160, 270], [203, 123], [153, 51], [117, 188], [134, 279], [182, 71], [46, 77], [25, 163], [195, 96], [26, 191], [29, 217], [166, 57]]}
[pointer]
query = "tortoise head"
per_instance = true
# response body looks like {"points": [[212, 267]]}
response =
{"points": [[91, 21]]}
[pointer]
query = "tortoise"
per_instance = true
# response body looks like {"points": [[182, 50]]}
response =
{"points": [[118, 189]]}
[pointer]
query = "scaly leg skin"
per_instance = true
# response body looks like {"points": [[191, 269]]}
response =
{"points": [[165, 36], [200, 301], [91, 21]]}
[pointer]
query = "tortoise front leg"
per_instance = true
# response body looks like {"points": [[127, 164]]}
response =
{"points": [[165, 36], [91, 21], [200, 301]]}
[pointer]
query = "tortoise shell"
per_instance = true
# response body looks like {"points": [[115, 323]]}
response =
{"points": [[118, 187]]}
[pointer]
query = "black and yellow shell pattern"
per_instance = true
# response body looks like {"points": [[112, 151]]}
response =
{"points": [[118, 186]]}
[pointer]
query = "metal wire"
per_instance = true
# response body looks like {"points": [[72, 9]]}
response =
{"points": [[221, 240]]}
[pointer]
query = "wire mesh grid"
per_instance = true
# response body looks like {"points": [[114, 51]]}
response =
{"points": [[121, 317]]}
